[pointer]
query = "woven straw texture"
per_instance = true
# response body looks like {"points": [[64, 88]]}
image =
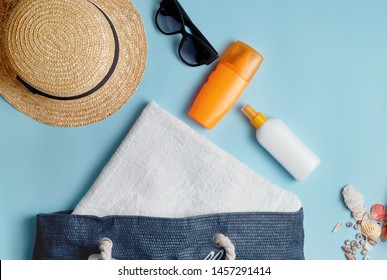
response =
{"points": [[65, 48], [256, 235]]}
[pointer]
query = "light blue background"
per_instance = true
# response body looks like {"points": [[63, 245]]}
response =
{"points": [[324, 74]]}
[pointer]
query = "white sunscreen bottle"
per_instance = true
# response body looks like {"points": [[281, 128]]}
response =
{"points": [[283, 144]]}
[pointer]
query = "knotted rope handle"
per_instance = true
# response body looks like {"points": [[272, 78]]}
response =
{"points": [[105, 245], [222, 241]]}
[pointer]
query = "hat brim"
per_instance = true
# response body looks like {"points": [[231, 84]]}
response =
{"points": [[105, 101]]}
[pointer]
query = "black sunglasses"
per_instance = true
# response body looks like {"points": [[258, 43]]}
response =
{"points": [[194, 49]]}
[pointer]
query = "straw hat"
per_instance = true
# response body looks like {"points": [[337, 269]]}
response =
{"points": [[70, 62]]}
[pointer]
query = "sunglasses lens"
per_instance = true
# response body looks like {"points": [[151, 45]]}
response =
{"points": [[193, 51], [168, 18]]}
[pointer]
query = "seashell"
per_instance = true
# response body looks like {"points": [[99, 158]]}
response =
{"points": [[364, 252], [368, 246], [365, 218], [357, 226], [366, 258], [362, 242], [377, 212], [358, 236], [347, 242], [358, 246], [353, 199], [350, 257], [349, 224], [346, 249], [337, 227], [383, 236], [372, 242], [371, 230], [358, 216]]}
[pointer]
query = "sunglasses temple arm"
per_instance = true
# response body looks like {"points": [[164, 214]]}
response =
{"points": [[193, 27]]}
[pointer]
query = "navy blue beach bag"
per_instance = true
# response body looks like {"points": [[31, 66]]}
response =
{"points": [[248, 236]]}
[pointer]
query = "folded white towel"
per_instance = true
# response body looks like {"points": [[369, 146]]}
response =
{"points": [[164, 168]]}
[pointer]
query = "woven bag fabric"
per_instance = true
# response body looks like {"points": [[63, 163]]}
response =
{"points": [[255, 235]]}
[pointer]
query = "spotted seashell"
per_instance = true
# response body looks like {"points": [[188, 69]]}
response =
{"points": [[346, 249], [371, 230], [377, 212]]}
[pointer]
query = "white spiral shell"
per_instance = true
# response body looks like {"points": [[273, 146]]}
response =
{"points": [[354, 200]]}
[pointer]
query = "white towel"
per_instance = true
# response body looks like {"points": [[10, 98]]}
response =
{"points": [[163, 168]]}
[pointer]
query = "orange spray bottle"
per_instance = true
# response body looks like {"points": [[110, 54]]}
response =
{"points": [[225, 85]]}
